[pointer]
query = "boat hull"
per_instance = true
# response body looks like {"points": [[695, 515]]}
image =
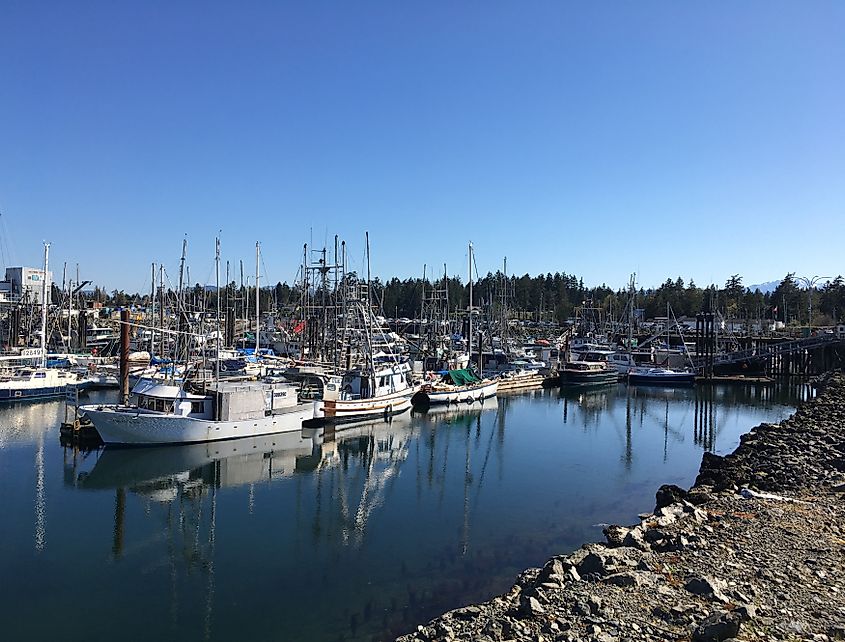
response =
{"points": [[127, 426], [338, 411], [31, 394], [568, 378], [675, 379]]}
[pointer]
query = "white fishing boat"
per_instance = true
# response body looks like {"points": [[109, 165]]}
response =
{"points": [[360, 395], [170, 414], [167, 413]]}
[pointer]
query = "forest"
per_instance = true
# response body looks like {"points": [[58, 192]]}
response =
{"points": [[546, 297]]}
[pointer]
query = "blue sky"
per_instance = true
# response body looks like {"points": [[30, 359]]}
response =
{"points": [[666, 138]]}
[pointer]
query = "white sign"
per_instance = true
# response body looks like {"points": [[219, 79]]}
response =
{"points": [[31, 352]]}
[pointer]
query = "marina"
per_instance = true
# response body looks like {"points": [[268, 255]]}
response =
{"points": [[422, 322], [206, 538]]}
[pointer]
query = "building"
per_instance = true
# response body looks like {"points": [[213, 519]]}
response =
{"points": [[25, 284]]}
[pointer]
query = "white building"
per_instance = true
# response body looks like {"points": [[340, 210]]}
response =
{"points": [[25, 283]]}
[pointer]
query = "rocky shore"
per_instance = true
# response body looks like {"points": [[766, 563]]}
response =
{"points": [[755, 550]]}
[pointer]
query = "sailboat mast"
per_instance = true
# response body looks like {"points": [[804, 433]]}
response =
{"points": [[469, 308], [160, 308], [257, 298], [44, 306], [153, 308], [217, 319]]}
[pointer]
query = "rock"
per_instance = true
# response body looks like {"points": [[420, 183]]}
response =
{"points": [[616, 535], [592, 564], [669, 494], [629, 578], [572, 575], [746, 611], [718, 627], [709, 586], [467, 612], [534, 606]]}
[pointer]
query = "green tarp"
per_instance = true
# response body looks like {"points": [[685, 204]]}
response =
{"points": [[462, 377]]}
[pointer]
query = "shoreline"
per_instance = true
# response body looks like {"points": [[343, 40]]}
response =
{"points": [[753, 551]]}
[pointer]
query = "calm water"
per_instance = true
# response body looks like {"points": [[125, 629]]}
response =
{"points": [[359, 537]]}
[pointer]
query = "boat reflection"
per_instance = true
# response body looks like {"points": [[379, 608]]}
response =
{"points": [[159, 472]]}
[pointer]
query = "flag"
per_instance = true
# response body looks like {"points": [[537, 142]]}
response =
{"points": [[299, 327]]}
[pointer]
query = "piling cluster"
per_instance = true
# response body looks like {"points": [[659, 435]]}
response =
{"points": [[753, 551]]}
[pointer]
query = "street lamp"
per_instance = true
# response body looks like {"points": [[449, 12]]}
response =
{"points": [[810, 283]]}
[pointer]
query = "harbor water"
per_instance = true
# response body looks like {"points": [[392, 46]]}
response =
{"points": [[359, 535]]}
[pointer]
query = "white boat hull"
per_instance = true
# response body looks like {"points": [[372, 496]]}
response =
{"points": [[347, 410], [130, 426]]}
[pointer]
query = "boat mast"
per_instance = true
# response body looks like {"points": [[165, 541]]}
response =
{"points": [[153, 310], [257, 298], [160, 308], [631, 302], [44, 306], [217, 320], [180, 310], [469, 308]]}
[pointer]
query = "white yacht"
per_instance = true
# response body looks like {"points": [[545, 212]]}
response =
{"points": [[171, 414], [30, 384]]}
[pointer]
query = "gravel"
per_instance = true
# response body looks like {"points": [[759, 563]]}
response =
{"points": [[753, 551]]}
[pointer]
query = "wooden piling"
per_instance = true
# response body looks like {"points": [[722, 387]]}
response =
{"points": [[124, 356]]}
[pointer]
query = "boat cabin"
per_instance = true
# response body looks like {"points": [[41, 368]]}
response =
{"points": [[357, 384], [223, 401]]}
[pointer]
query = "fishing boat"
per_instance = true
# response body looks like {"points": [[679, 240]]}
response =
{"points": [[365, 393], [194, 412], [369, 378], [453, 387], [582, 373], [660, 376]]}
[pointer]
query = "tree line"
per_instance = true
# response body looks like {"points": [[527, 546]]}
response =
{"points": [[545, 297]]}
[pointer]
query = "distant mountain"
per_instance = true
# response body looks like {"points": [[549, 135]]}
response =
{"points": [[765, 288]]}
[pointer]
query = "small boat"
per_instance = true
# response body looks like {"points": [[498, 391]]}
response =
{"points": [[173, 414], [28, 383], [661, 377], [31, 384], [518, 380], [583, 373], [455, 386]]}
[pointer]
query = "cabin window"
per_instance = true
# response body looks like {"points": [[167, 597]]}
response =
{"points": [[197, 407], [40, 375]]}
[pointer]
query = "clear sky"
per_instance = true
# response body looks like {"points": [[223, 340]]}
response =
{"points": [[667, 138]]}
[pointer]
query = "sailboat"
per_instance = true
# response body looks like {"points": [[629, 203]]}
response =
{"points": [[171, 413], [29, 383]]}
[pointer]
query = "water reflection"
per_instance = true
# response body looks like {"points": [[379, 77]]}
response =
{"points": [[387, 522]]}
